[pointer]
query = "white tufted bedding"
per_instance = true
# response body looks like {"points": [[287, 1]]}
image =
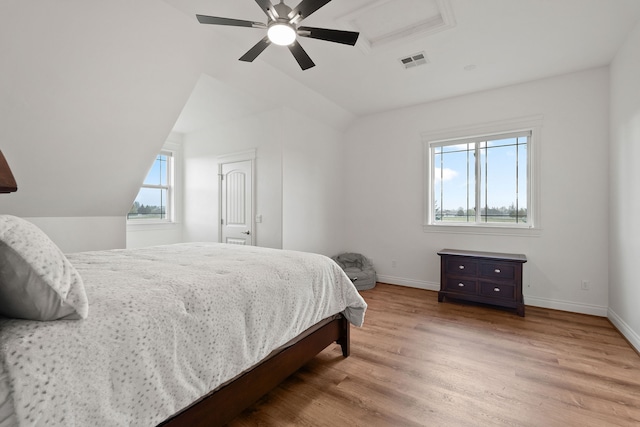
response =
{"points": [[166, 325]]}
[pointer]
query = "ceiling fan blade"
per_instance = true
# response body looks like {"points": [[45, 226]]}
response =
{"points": [[256, 50], [336, 36], [301, 56], [267, 7], [215, 20], [306, 8]]}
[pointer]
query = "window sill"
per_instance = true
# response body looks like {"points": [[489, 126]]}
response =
{"points": [[494, 230], [151, 225]]}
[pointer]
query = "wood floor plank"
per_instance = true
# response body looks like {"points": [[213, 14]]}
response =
{"points": [[417, 362]]}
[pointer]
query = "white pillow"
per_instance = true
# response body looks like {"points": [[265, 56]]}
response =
{"points": [[37, 281]]}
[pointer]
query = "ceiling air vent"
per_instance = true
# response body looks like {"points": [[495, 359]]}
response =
{"points": [[414, 60]]}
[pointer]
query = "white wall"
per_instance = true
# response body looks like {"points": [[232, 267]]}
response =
{"points": [[202, 148], [384, 170], [299, 187], [84, 233], [624, 239], [313, 186]]}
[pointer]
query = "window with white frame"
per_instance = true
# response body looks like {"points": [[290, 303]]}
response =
{"points": [[481, 181], [154, 202]]}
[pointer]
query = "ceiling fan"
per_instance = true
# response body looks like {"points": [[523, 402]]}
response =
{"points": [[282, 29]]}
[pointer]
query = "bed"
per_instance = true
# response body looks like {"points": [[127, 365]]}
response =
{"points": [[186, 334]]}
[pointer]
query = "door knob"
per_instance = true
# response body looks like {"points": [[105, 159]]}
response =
{"points": [[245, 232]]}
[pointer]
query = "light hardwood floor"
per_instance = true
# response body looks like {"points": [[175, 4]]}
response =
{"points": [[420, 363]]}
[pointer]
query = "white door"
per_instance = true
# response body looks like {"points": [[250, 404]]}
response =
{"points": [[236, 201]]}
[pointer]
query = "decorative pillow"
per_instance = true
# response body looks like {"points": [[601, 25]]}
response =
{"points": [[37, 281]]}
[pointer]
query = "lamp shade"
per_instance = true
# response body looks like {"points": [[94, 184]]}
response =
{"points": [[7, 182]]}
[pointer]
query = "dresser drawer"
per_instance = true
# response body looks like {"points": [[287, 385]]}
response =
{"points": [[498, 291], [482, 277], [498, 271], [461, 286], [462, 267]]}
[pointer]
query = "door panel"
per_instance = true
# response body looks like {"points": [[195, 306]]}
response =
{"points": [[235, 182], [237, 203]]}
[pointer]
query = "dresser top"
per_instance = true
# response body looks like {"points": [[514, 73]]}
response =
{"points": [[478, 254]]}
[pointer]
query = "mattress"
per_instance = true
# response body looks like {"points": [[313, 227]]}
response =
{"points": [[166, 325]]}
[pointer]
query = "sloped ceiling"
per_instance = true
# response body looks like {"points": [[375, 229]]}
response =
{"points": [[88, 93], [90, 90], [471, 45], [214, 102]]}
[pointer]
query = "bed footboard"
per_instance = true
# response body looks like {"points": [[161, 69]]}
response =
{"points": [[221, 406]]}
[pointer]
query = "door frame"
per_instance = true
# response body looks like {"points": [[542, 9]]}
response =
{"points": [[241, 156]]}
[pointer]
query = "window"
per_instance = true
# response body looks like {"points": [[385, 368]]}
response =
{"points": [[482, 181], [154, 202]]}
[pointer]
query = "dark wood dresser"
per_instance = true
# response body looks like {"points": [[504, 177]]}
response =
{"points": [[484, 277]]}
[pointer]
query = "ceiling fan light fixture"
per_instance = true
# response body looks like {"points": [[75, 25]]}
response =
{"points": [[282, 29], [282, 34]]}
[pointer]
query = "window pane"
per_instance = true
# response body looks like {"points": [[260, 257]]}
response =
{"points": [[454, 184], [158, 173], [151, 203], [523, 173], [481, 180], [501, 186]]}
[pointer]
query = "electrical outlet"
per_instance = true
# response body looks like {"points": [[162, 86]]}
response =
{"points": [[394, 263], [585, 285]]}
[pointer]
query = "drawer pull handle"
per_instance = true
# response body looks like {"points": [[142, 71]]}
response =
{"points": [[497, 270], [461, 267], [461, 285], [496, 289]]}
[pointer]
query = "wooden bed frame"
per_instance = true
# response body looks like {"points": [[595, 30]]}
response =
{"points": [[224, 404]]}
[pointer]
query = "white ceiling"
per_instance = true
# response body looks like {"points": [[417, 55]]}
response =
{"points": [[471, 45]]}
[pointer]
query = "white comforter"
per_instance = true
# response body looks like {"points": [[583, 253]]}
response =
{"points": [[166, 325]]}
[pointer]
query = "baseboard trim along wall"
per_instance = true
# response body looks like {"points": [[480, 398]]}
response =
{"points": [[574, 307], [410, 283], [629, 334], [594, 310]]}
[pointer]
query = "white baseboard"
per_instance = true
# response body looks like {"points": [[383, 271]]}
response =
{"points": [[411, 283], [629, 334], [573, 307]]}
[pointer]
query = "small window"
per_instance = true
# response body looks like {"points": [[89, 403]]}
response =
{"points": [[483, 181], [154, 202]]}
